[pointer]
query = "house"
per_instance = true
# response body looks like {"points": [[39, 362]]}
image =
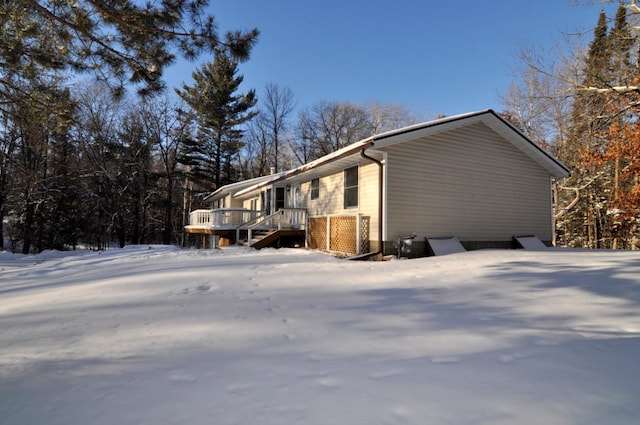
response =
{"points": [[473, 176]]}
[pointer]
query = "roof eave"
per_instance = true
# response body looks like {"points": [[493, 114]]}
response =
{"points": [[557, 169], [490, 118], [339, 154]]}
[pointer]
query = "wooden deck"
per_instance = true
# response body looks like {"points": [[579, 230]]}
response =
{"points": [[235, 225]]}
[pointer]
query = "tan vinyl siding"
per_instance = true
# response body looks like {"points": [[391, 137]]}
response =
{"points": [[468, 183], [232, 202], [228, 201], [246, 203], [331, 199]]}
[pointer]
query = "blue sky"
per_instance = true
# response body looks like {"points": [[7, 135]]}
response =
{"points": [[435, 57]]}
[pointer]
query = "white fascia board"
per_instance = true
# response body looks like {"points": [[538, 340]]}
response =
{"points": [[427, 128], [427, 124], [526, 145], [244, 190], [489, 118], [341, 153], [231, 187]]}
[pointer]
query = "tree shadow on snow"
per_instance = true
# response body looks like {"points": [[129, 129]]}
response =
{"points": [[620, 278]]}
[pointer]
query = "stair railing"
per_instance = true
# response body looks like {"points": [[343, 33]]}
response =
{"points": [[246, 225], [265, 220], [285, 218]]}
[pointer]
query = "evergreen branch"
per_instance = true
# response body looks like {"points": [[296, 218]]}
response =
{"points": [[155, 30], [80, 31]]}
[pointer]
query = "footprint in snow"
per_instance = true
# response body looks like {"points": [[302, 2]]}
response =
{"points": [[204, 287]]}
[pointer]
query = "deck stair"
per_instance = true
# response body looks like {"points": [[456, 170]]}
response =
{"points": [[258, 235], [264, 238], [284, 226]]}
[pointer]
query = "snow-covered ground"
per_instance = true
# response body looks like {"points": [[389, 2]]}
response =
{"points": [[158, 335]]}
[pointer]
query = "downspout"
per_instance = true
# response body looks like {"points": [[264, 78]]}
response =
{"points": [[380, 195]]}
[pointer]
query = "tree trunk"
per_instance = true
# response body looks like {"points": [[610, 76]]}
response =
{"points": [[121, 231], [28, 228], [168, 214]]}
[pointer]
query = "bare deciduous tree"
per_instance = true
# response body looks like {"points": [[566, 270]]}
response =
{"points": [[277, 105]]}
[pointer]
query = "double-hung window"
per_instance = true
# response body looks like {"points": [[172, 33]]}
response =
{"points": [[315, 188], [351, 187]]}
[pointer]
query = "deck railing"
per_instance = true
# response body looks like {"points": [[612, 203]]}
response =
{"points": [[221, 218], [242, 218], [283, 219]]}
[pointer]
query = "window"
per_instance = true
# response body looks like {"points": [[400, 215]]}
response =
{"points": [[279, 198], [315, 188], [267, 202], [351, 187]]}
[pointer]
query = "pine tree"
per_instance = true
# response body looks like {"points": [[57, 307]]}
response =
{"points": [[622, 44], [582, 225], [122, 42], [602, 146], [219, 112], [37, 129], [59, 214], [588, 105], [61, 180], [617, 156]]}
